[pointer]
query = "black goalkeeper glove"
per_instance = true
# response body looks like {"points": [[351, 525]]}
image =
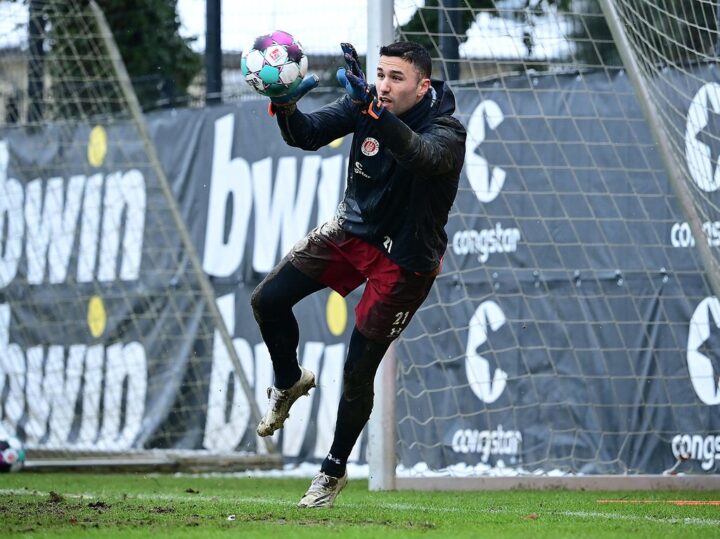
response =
{"points": [[352, 78], [355, 84], [286, 104]]}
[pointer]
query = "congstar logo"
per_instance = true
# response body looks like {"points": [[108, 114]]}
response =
{"points": [[702, 137], [701, 447], [488, 317], [485, 183], [705, 379]]}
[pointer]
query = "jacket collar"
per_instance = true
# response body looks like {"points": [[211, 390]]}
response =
{"points": [[420, 113]]}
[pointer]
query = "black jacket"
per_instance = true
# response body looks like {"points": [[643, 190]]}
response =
{"points": [[403, 172]]}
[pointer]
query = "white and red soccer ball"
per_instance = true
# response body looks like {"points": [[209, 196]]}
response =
{"points": [[12, 455], [275, 65]]}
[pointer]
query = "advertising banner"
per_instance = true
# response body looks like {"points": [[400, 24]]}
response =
{"points": [[571, 327]]}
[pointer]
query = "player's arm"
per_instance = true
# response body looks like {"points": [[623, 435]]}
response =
{"points": [[435, 152], [315, 130]]}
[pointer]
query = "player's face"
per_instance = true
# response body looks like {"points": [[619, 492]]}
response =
{"points": [[399, 85]]}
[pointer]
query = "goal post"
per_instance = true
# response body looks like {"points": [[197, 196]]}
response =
{"points": [[381, 428], [571, 340]]}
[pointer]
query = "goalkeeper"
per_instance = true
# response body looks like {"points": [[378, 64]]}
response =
{"points": [[388, 232]]}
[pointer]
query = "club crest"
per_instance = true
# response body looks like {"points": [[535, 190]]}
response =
{"points": [[370, 147]]}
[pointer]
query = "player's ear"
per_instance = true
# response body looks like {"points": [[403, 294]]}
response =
{"points": [[423, 88]]}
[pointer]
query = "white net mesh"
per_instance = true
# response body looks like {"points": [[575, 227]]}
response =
{"points": [[104, 326], [673, 42], [572, 329]]}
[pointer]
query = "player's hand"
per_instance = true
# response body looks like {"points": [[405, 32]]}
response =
{"points": [[353, 78], [286, 103]]}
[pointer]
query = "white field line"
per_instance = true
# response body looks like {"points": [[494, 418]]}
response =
{"points": [[410, 507], [622, 516]]}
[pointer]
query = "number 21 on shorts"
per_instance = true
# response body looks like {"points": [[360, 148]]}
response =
{"points": [[401, 319]]}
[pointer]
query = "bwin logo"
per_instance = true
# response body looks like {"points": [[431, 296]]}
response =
{"points": [[702, 374], [702, 138], [477, 368]]}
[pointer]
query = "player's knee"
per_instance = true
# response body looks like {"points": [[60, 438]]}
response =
{"points": [[258, 302]]}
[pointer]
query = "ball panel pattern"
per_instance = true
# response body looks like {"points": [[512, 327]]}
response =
{"points": [[276, 55], [269, 74], [12, 455], [290, 73]]}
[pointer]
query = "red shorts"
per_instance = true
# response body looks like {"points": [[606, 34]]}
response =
{"points": [[343, 262]]}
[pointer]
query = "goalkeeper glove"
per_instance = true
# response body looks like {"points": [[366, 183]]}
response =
{"points": [[286, 104], [353, 80]]}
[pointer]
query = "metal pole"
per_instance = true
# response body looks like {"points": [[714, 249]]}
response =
{"points": [[380, 32], [652, 116], [36, 61], [381, 427], [213, 53], [717, 28], [382, 437], [448, 28], [205, 287]]}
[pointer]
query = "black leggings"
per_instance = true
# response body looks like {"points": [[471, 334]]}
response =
{"points": [[272, 302]]}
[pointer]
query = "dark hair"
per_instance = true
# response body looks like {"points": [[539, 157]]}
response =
{"points": [[413, 52]]}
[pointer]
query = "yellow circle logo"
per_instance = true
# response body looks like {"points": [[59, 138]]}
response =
{"points": [[97, 146], [336, 143], [336, 313], [96, 317]]}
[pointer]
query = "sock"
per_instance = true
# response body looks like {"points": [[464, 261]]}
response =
{"points": [[286, 376], [356, 401], [333, 466]]}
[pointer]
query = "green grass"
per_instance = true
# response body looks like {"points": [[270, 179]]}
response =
{"points": [[137, 505]]}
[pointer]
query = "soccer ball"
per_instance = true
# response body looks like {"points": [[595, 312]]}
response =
{"points": [[12, 455], [275, 65]]}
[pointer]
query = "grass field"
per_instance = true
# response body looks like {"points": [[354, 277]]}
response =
{"points": [[137, 505]]}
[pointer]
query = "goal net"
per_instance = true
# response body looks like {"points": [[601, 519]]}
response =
{"points": [[111, 344], [573, 330]]}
